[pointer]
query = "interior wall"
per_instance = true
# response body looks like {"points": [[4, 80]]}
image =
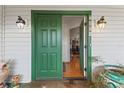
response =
{"points": [[75, 33], [108, 44], [65, 41]]}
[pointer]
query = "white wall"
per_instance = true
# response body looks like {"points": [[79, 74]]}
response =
{"points": [[108, 44], [0, 28], [65, 41], [75, 33]]}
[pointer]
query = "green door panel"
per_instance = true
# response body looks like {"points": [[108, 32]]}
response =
{"points": [[48, 50], [85, 50], [81, 45], [89, 47]]}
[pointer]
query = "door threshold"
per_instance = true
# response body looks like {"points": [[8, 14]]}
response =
{"points": [[74, 78]]}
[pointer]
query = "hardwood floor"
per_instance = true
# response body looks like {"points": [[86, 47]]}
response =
{"points": [[72, 69]]}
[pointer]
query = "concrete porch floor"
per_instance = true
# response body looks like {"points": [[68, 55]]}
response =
{"points": [[60, 84]]}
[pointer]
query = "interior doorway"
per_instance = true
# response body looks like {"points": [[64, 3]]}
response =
{"points": [[73, 50]]}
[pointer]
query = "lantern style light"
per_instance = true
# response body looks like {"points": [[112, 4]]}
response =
{"points": [[20, 22], [101, 23]]}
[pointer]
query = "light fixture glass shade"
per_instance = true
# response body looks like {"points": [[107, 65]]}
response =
{"points": [[101, 23], [101, 26], [20, 23]]}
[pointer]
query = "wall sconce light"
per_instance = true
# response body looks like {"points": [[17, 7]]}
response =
{"points": [[101, 23], [20, 22]]}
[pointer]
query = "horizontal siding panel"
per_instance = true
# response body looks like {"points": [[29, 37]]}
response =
{"points": [[105, 35], [109, 53], [108, 36], [15, 27], [18, 44], [18, 56], [18, 49], [108, 14], [16, 30], [106, 10], [104, 40], [14, 17], [114, 26], [110, 17], [106, 53], [17, 40], [99, 49], [115, 31], [20, 53], [105, 49], [104, 44], [18, 35], [109, 40], [21, 12], [107, 45], [13, 45], [117, 22]]}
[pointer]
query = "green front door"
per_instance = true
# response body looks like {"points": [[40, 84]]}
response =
{"points": [[48, 47], [84, 46]]}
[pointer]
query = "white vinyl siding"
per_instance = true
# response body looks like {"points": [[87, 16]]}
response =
{"points": [[0, 28], [109, 43]]}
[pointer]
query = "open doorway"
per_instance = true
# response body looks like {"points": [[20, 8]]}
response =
{"points": [[73, 47]]}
